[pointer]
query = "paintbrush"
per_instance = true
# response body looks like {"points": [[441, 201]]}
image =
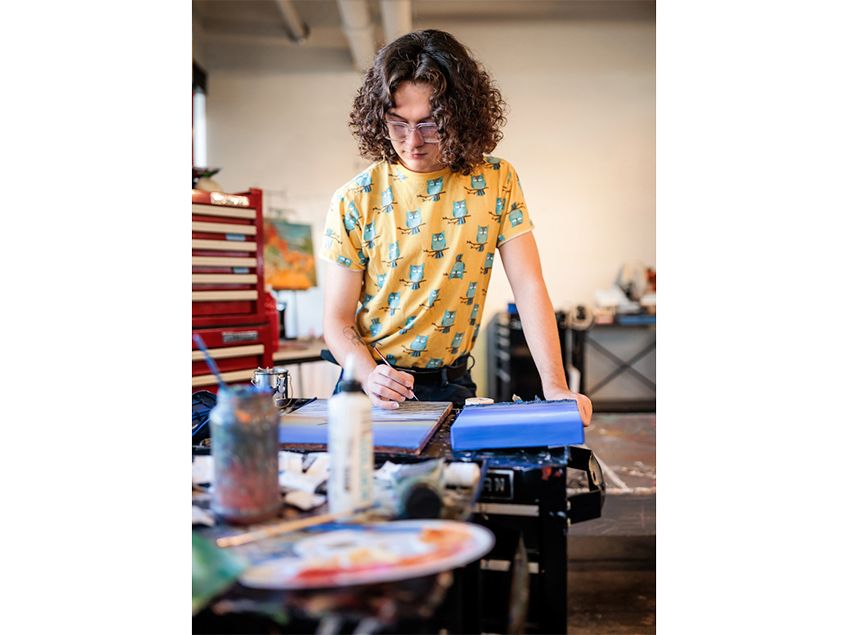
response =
{"points": [[209, 361], [387, 362], [284, 527]]}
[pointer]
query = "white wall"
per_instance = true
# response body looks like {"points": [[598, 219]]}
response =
{"points": [[581, 133]]}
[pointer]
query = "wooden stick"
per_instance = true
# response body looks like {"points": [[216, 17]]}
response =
{"points": [[282, 528]]}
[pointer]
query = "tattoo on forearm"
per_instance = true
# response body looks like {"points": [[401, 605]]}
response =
{"points": [[351, 334]]}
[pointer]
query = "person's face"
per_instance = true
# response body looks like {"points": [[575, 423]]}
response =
{"points": [[412, 106]]}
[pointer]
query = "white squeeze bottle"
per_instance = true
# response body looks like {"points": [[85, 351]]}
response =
{"points": [[350, 444]]}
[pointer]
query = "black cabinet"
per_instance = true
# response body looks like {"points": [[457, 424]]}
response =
{"points": [[618, 366], [511, 368], [616, 363]]}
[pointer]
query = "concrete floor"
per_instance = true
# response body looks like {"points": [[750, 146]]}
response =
{"points": [[612, 602], [612, 559]]}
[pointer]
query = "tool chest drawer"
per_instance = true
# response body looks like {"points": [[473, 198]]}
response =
{"points": [[227, 272], [237, 351], [228, 288]]}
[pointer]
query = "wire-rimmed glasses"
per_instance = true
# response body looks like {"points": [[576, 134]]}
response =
{"points": [[399, 131]]}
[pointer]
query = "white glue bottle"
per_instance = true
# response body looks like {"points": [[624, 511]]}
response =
{"points": [[350, 444]]}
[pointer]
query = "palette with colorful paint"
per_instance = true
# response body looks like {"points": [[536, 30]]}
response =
{"points": [[376, 553]]}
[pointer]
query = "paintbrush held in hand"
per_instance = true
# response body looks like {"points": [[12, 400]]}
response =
{"points": [[387, 362]]}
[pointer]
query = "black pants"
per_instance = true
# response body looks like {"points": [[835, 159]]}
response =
{"points": [[456, 391]]}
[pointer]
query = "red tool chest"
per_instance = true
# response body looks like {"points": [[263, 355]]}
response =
{"points": [[228, 287]]}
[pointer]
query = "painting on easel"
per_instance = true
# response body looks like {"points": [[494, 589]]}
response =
{"points": [[289, 255]]}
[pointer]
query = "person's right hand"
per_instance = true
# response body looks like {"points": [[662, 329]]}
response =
{"points": [[386, 386]]}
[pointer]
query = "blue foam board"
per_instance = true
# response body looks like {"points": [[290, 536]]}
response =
{"points": [[517, 425]]}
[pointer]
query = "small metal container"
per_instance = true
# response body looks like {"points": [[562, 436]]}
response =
{"points": [[245, 445], [276, 380]]}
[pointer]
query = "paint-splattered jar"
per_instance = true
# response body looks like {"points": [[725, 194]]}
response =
{"points": [[245, 444]]}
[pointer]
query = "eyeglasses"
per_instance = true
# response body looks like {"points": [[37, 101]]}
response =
{"points": [[399, 131]]}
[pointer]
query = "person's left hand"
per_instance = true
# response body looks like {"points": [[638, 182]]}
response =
{"points": [[584, 404]]}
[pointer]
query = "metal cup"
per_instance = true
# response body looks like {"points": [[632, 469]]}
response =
{"points": [[276, 380]]}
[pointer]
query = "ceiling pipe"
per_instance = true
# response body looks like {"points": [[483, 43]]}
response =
{"points": [[359, 30], [357, 26], [297, 28], [397, 18]]}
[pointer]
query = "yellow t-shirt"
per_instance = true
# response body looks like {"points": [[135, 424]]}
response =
{"points": [[427, 245]]}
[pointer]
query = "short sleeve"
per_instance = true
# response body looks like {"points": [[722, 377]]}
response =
{"points": [[515, 220], [342, 237]]}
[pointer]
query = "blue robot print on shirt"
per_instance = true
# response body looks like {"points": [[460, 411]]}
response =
{"points": [[419, 344], [447, 322], [435, 363], [434, 190], [458, 269], [431, 300], [408, 325], [416, 276], [482, 237], [437, 246], [391, 359], [413, 223], [493, 162], [375, 327], [459, 212], [345, 261], [363, 181], [456, 343], [489, 263], [381, 279], [469, 295], [363, 260], [474, 315], [478, 185], [516, 216]]}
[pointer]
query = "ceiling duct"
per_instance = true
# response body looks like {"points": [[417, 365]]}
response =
{"points": [[357, 26], [397, 18], [359, 30], [297, 28]]}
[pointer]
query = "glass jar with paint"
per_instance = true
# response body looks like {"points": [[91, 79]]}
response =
{"points": [[245, 444]]}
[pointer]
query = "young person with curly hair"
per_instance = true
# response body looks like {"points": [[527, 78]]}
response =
{"points": [[413, 237]]}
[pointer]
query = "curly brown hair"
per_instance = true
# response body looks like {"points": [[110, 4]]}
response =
{"points": [[466, 106]]}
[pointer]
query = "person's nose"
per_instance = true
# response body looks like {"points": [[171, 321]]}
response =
{"points": [[415, 141]]}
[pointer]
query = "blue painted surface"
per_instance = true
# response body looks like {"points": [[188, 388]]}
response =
{"points": [[385, 435], [413, 425], [518, 425]]}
